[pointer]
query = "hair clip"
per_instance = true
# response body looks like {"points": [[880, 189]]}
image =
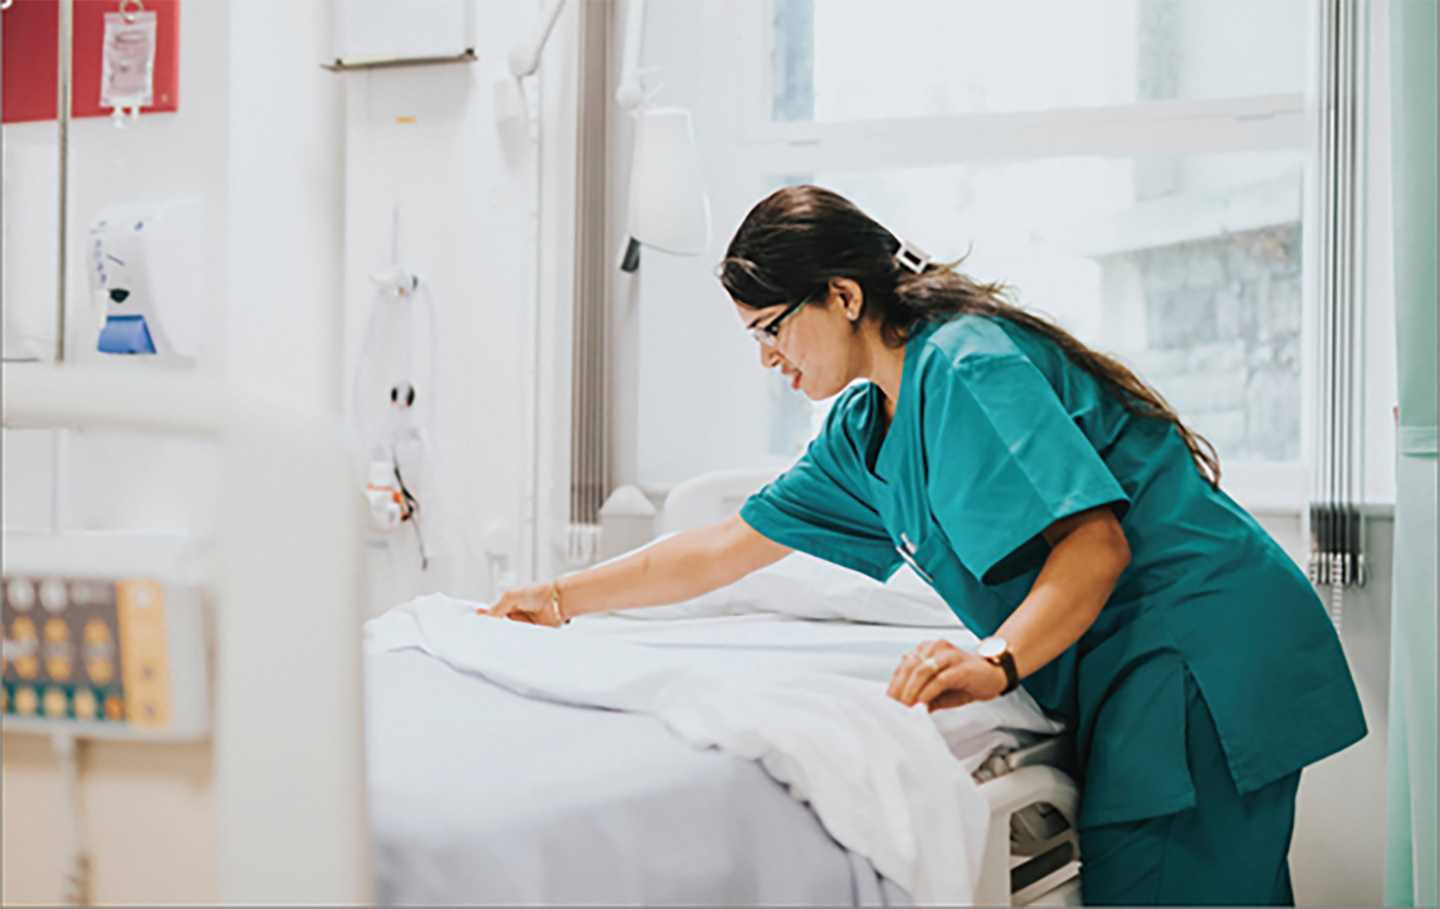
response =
{"points": [[912, 257]]}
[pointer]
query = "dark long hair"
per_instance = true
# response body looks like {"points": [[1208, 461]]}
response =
{"points": [[798, 238]]}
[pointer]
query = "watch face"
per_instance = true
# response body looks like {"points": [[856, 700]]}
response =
{"points": [[991, 647]]}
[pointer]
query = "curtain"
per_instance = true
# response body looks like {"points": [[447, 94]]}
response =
{"points": [[1411, 845]]}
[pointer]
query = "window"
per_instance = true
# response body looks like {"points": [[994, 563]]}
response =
{"points": [[1187, 267], [930, 58], [1134, 169]]}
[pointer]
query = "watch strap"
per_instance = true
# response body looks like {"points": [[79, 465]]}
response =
{"points": [[1006, 661]]}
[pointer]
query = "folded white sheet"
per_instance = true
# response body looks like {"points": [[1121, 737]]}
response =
{"points": [[878, 775]]}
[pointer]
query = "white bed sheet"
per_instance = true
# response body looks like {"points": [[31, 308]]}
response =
{"points": [[480, 795]]}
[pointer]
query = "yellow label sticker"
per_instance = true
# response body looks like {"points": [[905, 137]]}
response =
{"points": [[144, 662]]}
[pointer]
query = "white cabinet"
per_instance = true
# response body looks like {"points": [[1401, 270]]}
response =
{"points": [[368, 31]]}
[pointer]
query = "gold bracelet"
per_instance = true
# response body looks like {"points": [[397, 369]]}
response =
{"points": [[560, 618]]}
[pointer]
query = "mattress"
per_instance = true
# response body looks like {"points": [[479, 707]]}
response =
{"points": [[481, 796]]}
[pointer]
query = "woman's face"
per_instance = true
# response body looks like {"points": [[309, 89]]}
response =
{"points": [[815, 347]]}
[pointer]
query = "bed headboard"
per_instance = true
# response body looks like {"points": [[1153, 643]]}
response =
{"points": [[711, 497]]}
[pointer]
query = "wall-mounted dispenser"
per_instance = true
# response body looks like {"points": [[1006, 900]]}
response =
{"points": [[147, 279]]}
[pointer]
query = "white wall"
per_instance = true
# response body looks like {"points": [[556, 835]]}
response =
{"points": [[449, 146], [284, 178], [544, 525], [1379, 377], [1337, 857]]}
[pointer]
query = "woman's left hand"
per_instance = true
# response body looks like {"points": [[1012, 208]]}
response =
{"points": [[938, 674]]}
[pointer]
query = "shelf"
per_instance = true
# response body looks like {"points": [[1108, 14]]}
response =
{"points": [[14, 724], [343, 66], [131, 396]]}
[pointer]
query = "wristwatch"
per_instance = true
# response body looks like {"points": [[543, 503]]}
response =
{"points": [[997, 652]]}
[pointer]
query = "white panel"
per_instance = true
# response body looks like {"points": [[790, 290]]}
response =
{"points": [[399, 29], [1378, 295], [29, 478], [559, 81], [289, 745], [288, 734]]}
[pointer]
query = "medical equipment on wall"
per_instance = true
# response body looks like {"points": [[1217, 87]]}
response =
{"points": [[127, 72], [105, 636], [669, 208], [146, 280], [394, 406]]}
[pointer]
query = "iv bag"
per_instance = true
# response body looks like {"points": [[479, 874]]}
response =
{"points": [[127, 71]]}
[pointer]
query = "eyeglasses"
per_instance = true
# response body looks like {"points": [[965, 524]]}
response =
{"points": [[769, 333]]}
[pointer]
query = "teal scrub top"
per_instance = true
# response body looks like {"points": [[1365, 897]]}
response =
{"points": [[996, 435]]}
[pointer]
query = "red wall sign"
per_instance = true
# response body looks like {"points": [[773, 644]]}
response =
{"points": [[31, 29]]}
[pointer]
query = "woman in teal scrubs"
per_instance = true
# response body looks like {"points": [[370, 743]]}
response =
{"points": [[1068, 518]]}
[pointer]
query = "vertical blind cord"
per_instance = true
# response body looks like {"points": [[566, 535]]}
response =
{"points": [[1336, 558]]}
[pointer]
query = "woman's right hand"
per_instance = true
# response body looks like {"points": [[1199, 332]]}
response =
{"points": [[524, 604]]}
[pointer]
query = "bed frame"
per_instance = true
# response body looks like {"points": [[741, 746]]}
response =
{"points": [[1032, 852]]}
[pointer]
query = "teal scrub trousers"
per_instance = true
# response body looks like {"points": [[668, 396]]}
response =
{"points": [[1229, 849]]}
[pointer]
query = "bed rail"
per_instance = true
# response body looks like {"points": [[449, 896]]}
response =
{"points": [[1032, 846]]}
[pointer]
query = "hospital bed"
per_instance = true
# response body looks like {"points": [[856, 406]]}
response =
{"points": [[481, 795]]}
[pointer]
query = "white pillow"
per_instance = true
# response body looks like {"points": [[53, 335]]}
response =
{"points": [[803, 586]]}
